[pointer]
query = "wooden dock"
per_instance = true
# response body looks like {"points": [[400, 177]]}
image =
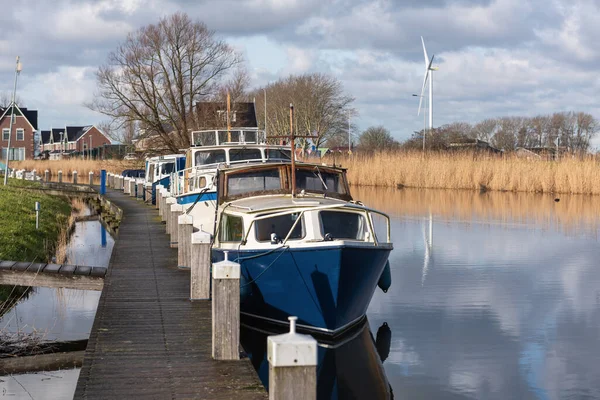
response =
{"points": [[51, 275], [148, 340]]}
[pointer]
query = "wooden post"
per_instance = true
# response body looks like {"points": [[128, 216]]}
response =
{"points": [[157, 199], [33, 175], [59, 176], [176, 210], [91, 178], [46, 176], [200, 266], [126, 185], [292, 365], [184, 241], [131, 187], [140, 190], [226, 310], [74, 177], [163, 197], [168, 203]]}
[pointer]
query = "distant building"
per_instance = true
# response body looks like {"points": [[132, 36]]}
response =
{"points": [[71, 139], [537, 153], [473, 145], [22, 142]]}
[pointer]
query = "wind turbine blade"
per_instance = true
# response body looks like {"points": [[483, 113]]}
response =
{"points": [[424, 51], [423, 90]]}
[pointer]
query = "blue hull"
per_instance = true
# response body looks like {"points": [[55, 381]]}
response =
{"points": [[190, 198], [166, 182], [326, 288]]}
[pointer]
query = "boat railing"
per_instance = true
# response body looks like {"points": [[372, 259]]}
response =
{"points": [[367, 210]]}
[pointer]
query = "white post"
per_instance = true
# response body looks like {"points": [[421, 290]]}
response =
{"points": [[46, 176], [131, 187], [59, 176], [37, 215], [91, 178], [33, 175], [176, 210], [292, 365], [168, 203], [157, 196], [184, 241], [75, 177], [200, 266], [226, 310]]}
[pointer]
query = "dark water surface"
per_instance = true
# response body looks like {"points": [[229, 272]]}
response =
{"points": [[500, 300], [58, 314]]}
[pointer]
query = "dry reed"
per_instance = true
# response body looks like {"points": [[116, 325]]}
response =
{"points": [[79, 208], [83, 167], [466, 171]]}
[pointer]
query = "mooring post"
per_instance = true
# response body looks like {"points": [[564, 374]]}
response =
{"points": [[140, 190], [132, 187], [163, 204], [292, 365], [46, 176], [75, 177], [200, 266], [160, 194], [91, 178], [184, 240], [103, 182], [126, 185], [59, 176], [33, 175], [170, 201], [176, 211], [156, 196], [226, 310]]}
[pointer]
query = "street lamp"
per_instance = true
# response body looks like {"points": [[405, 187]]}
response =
{"points": [[265, 91], [18, 68]]}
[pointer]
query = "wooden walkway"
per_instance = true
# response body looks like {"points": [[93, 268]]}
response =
{"points": [[148, 340]]}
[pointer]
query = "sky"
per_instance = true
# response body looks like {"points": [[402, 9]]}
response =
{"points": [[495, 57]]}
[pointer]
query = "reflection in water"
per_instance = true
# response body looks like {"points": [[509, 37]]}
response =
{"points": [[347, 369], [510, 307]]}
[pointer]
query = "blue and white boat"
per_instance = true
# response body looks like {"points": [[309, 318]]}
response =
{"points": [[309, 251], [160, 170], [196, 187]]}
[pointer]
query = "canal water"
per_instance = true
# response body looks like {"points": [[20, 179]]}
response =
{"points": [[57, 315]]}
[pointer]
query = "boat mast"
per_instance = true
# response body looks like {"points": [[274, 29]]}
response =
{"points": [[228, 117], [293, 150]]}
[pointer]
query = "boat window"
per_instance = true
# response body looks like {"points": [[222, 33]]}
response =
{"points": [[224, 136], [281, 226], [209, 157], [207, 138], [249, 136], [321, 181], [167, 168], [244, 154], [253, 181], [232, 228], [279, 154], [342, 225]]}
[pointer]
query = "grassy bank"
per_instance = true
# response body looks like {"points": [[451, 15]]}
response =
{"points": [[83, 167], [19, 240], [464, 171]]}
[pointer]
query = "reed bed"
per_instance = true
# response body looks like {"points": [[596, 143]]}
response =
{"points": [[83, 167], [78, 209], [467, 171]]}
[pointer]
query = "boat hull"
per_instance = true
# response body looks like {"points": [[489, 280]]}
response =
{"points": [[202, 209], [328, 288]]}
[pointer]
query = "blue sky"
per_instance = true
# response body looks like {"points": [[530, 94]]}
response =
{"points": [[495, 57]]}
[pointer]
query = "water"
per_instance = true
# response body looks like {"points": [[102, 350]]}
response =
{"points": [[502, 301], [58, 314]]}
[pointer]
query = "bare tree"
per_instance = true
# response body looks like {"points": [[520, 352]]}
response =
{"points": [[6, 99], [159, 72], [377, 138], [321, 107]]}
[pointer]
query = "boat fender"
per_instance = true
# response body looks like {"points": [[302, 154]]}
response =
{"points": [[383, 341], [385, 280]]}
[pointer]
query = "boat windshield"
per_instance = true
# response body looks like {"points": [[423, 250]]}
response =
{"points": [[342, 225], [321, 181], [279, 154], [209, 157], [279, 225], [253, 181], [167, 168], [244, 154]]}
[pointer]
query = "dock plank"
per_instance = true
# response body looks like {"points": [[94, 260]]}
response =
{"points": [[148, 340]]}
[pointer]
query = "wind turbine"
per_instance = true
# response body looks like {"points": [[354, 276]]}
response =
{"points": [[428, 75]]}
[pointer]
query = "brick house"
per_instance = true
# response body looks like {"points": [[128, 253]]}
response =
{"points": [[22, 142], [72, 139]]}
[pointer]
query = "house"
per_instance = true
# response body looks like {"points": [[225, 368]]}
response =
{"points": [[22, 142], [476, 145], [538, 153], [72, 139], [207, 115]]}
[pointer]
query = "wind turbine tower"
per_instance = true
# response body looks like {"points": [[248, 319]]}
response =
{"points": [[429, 68]]}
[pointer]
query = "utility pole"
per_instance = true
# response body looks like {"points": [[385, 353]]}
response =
{"points": [[349, 141], [12, 117], [265, 90]]}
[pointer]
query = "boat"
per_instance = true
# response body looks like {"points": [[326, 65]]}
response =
{"points": [[212, 149], [159, 170], [305, 247]]}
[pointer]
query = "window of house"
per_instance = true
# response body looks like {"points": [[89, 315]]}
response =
{"points": [[232, 228], [16, 153], [5, 134], [20, 134]]}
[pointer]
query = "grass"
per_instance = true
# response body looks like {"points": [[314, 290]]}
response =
{"points": [[19, 240], [464, 171], [83, 167]]}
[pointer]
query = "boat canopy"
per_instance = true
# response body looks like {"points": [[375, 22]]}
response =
{"points": [[219, 137], [266, 179]]}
